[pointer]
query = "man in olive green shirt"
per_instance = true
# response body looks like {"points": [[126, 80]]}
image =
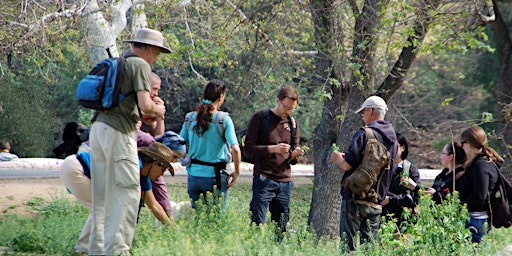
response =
{"points": [[114, 162]]}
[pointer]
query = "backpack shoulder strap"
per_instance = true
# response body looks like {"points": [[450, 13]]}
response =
{"points": [[264, 125], [369, 133], [188, 119], [119, 76], [220, 122]]}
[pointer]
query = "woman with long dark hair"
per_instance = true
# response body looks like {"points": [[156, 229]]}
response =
{"points": [[479, 178], [207, 145]]}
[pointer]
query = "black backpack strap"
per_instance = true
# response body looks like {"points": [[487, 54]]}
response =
{"points": [[265, 123]]}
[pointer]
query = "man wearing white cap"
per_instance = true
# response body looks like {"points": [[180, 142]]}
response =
{"points": [[359, 215], [114, 163]]}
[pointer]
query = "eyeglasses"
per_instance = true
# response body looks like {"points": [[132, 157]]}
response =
{"points": [[292, 109]]}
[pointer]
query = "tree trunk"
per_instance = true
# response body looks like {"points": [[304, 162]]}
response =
{"points": [[324, 211], [326, 199], [504, 83], [100, 34]]}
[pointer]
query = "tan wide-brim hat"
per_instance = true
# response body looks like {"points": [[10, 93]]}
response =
{"points": [[160, 153], [150, 37]]}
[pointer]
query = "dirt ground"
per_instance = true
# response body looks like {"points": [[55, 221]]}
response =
{"points": [[16, 195]]}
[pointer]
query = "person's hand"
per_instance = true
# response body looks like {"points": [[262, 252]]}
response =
{"points": [[160, 111], [430, 191], [157, 100], [232, 177], [296, 153], [337, 157], [385, 201], [148, 119], [279, 148], [408, 182]]}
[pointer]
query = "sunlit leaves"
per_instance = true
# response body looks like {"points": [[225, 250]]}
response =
{"points": [[446, 101]]}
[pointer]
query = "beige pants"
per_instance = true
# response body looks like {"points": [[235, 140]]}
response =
{"points": [[72, 175], [115, 190]]}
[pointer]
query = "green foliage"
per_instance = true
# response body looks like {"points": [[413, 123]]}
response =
{"points": [[38, 94], [255, 57], [52, 232], [335, 148], [435, 225], [215, 231], [24, 107]]}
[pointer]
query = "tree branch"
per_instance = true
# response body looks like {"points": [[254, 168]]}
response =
{"points": [[190, 62], [409, 53], [70, 13], [2, 70], [490, 17]]}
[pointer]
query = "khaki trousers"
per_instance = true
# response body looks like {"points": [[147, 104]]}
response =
{"points": [[115, 190], [72, 175]]}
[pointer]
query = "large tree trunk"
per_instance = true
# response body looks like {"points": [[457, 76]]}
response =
{"points": [[324, 211], [326, 200], [100, 34], [325, 205], [504, 83]]}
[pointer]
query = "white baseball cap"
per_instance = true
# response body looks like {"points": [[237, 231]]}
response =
{"points": [[375, 102]]}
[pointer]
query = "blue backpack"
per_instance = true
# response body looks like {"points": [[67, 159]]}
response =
{"points": [[101, 88]]}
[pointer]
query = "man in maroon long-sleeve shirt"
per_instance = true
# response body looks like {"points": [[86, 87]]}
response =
{"points": [[273, 154]]}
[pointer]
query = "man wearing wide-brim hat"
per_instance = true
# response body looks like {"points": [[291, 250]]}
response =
{"points": [[115, 183], [154, 160]]}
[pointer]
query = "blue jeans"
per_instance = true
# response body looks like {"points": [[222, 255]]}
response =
{"points": [[356, 218], [198, 186], [273, 196], [478, 228]]}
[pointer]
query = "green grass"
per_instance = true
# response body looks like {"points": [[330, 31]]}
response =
{"points": [[212, 231]]}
